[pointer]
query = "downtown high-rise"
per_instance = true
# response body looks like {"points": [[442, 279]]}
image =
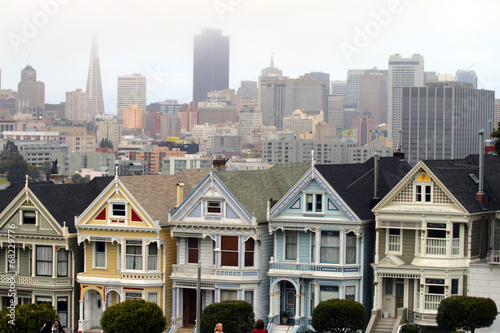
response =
{"points": [[95, 101], [442, 120], [31, 92], [131, 91], [403, 72], [210, 63]]}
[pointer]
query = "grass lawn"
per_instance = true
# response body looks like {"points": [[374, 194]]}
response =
{"points": [[3, 180]]}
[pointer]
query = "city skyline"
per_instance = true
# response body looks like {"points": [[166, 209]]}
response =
{"points": [[55, 36]]}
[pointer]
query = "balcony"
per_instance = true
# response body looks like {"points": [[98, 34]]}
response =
{"points": [[301, 268], [493, 257], [432, 301], [29, 281], [211, 272], [142, 276]]}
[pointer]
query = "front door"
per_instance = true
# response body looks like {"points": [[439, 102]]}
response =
{"points": [[289, 301], [400, 295], [388, 303], [189, 307]]}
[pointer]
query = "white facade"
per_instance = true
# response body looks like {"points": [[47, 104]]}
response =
{"points": [[403, 72], [131, 91]]}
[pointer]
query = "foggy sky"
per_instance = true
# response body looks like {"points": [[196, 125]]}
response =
{"points": [[155, 38]]}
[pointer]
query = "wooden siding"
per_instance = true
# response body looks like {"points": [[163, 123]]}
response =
{"points": [[266, 252], [304, 247], [408, 245], [170, 259]]}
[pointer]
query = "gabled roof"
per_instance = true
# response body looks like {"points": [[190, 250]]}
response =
{"points": [[254, 188], [355, 182], [63, 201], [455, 176], [157, 194]]}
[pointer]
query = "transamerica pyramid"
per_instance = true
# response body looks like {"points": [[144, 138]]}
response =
{"points": [[95, 102]]}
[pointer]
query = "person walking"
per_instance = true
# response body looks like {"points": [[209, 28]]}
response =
{"points": [[47, 327], [57, 327], [259, 327]]}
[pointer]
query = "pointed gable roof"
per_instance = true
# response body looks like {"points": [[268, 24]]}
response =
{"points": [[157, 194], [254, 188], [355, 182], [63, 201], [455, 176]]}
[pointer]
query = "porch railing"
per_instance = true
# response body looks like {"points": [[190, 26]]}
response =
{"points": [[432, 301], [212, 271], [436, 246], [493, 257]]}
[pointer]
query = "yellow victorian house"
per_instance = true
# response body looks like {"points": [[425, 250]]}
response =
{"points": [[127, 245]]}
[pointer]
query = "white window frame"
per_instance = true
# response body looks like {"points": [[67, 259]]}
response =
{"points": [[155, 245], [388, 242], [285, 244], [314, 202], [141, 245], [355, 291], [423, 195], [22, 211], [94, 256], [356, 251], [207, 206], [135, 295], [67, 262], [111, 214], [51, 262], [156, 294]]}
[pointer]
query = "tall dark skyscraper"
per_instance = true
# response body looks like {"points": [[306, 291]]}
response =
{"points": [[210, 63]]}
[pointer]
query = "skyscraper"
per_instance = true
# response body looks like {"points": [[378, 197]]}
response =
{"points": [[210, 63], [131, 91], [354, 87], [281, 97], [268, 73], [442, 120], [467, 77], [403, 72], [95, 101], [373, 96], [75, 107], [31, 92]]}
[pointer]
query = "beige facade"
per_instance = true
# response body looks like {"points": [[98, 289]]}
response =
{"points": [[133, 117]]}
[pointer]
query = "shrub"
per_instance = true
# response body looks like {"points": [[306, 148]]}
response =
{"points": [[133, 315], [235, 316], [338, 316], [27, 318], [465, 312], [410, 329]]}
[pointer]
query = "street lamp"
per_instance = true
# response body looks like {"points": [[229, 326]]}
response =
{"points": [[198, 290]]}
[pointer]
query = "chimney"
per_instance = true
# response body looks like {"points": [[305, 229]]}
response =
{"points": [[480, 195], [180, 194]]}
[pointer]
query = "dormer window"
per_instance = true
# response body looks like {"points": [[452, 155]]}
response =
{"points": [[214, 207], [119, 210], [29, 217], [314, 202]]}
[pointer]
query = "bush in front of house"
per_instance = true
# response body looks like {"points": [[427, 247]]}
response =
{"points": [[338, 316], [26, 318], [235, 316], [133, 315], [466, 313]]}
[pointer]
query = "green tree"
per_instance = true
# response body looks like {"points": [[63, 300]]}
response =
{"points": [[16, 169], [495, 135], [133, 315], [78, 179], [466, 313], [338, 316], [33, 172], [106, 143], [45, 169], [235, 316], [9, 151], [27, 318]]}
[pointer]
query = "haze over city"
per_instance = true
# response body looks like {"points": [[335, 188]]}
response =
{"points": [[155, 38]]}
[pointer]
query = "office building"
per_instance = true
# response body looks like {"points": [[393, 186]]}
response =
{"points": [[174, 164], [171, 106], [373, 97], [366, 124], [467, 77], [248, 89], [75, 107], [170, 126], [335, 113], [95, 100], [279, 98], [268, 73], [131, 91], [403, 72], [217, 113], [210, 63], [339, 88], [133, 117], [442, 120], [31, 93], [354, 87], [111, 130], [320, 76]]}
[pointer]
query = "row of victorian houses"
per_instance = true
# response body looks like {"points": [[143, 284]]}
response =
{"points": [[395, 238]]}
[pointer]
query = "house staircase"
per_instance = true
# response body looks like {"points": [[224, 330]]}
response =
{"points": [[186, 329], [282, 328], [385, 325], [94, 330]]}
